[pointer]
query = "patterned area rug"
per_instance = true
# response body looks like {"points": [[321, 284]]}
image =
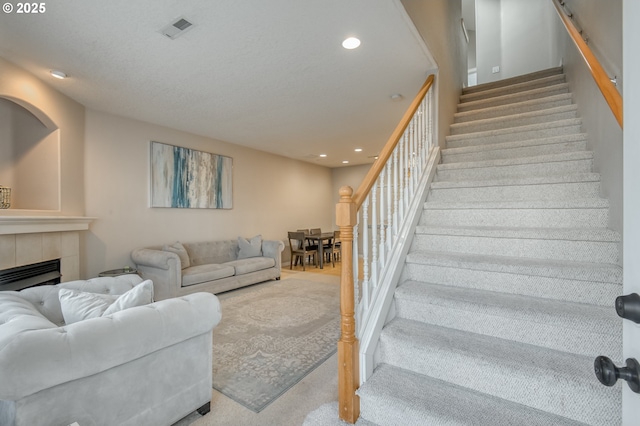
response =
{"points": [[271, 336]]}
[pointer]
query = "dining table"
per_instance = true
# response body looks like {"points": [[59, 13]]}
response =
{"points": [[319, 239]]}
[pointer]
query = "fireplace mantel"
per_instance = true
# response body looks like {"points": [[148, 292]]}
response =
{"points": [[10, 225]]}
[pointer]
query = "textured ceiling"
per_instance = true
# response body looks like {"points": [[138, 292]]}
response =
{"points": [[270, 75]]}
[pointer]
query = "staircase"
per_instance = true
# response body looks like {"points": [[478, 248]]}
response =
{"points": [[507, 292]]}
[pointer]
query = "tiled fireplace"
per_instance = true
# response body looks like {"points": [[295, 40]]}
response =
{"points": [[31, 239]]}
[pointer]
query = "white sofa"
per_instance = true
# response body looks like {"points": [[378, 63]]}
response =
{"points": [[212, 266], [146, 365]]}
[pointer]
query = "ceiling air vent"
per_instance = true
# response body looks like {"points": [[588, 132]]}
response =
{"points": [[177, 28]]}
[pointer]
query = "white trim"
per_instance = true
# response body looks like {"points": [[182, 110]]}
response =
{"points": [[383, 295], [10, 225]]}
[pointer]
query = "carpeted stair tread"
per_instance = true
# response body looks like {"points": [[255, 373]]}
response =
{"points": [[532, 131], [511, 98], [517, 188], [531, 180], [554, 213], [513, 80], [571, 203], [569, 327], [552, 164], [566, 234], [514, 108], [513, 88], [514, 120], [398, 397], [534, 159], [518, 148], [553, 288], [545, 379], [579, 271]]}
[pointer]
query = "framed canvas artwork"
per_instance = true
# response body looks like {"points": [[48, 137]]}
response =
{"points": [[188, 178]]}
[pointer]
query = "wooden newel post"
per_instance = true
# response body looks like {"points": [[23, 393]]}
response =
{"points": [[348, 347]]}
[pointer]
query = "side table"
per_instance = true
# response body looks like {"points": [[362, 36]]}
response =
{"points": [[116, 272]]}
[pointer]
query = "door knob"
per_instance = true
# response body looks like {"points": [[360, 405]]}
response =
{"points": [[628, 307], [608, 374]]}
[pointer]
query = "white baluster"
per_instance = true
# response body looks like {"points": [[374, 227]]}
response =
{"points": [[395, 191], [381, 249], [374, 236], [389, 204], [366, 284]]}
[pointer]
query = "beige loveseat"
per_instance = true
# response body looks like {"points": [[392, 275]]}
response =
{"points": [[213, 266], [148, 365]]}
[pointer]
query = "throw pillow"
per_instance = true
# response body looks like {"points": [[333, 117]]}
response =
{"points": [[141, 294], [250, 248], [80, 305], [179, 249]]}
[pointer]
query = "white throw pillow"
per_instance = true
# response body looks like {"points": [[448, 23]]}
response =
{"points": [[80, 305], [141, 294], [250, 248]]}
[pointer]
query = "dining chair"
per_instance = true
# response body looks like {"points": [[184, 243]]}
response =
{"points": [[334, 249], [299, 250]]}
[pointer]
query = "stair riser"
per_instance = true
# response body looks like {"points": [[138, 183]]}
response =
{"points": [[475, 139], [551, 333], [579, 291], [513, 80], [513, 89], [526, 151], [579, 251], [528, 218], [522, 97], [522, 108], [522, 170], [570, 399], [559, 191], [471, 127]]}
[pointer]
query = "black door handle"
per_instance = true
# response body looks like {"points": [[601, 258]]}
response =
{"points": [[608, 374], [628, 307]]}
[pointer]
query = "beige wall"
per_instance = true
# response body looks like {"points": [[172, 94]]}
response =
{"points": [[55, 110], [605, 136], [271, 194], [351, 176], [438, 22]]}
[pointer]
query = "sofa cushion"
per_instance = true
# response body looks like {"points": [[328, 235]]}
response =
{"points": [[80, 305], [203, 273], [245, 266], [17, 316], [179, 249], [249, 248]]}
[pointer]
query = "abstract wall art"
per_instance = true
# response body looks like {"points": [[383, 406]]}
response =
{"points": [[187, 178]]}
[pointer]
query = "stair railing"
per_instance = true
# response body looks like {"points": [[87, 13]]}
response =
{"points": [[375, 230], [606, 84]]}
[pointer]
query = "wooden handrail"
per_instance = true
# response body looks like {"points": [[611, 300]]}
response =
{"points": [[393, 140], [611, 95]]}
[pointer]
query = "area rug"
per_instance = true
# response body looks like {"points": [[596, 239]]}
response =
{"points": [[271, 336]]}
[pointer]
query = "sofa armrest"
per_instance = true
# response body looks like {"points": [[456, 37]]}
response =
{"points": [[272, 249], [41, 358], [161, 267]]}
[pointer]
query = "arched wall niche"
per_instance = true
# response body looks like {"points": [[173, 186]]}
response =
{"points": [[29, 156]]}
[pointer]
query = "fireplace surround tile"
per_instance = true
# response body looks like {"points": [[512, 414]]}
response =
{"points": [[7, 251]]}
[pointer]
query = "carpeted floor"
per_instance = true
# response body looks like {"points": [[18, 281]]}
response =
{"points": [[320, 386], [271, 336]]}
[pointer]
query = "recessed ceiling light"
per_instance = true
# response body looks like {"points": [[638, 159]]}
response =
{"points": [[323, 155], [58, 74], [351, 43], [358, 150], [345, 162]]}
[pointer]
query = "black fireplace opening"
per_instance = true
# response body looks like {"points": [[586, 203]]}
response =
{"points": [[21, 277]]}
